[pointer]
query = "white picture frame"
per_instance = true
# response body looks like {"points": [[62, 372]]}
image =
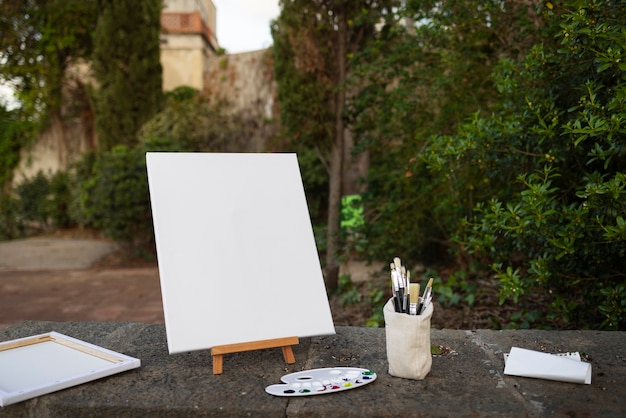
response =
{"points": [[236, 252], [45, 363]]}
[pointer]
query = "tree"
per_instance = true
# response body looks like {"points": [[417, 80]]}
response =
{"points": [[127, 67], [13, 131], [425, 77], [41, 40], [552, 153], [314, 41]]}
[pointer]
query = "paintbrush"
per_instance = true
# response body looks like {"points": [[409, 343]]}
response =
{"points": [[426, 297], [407, 290], [395, 287], [398, 268], [414, 291]]}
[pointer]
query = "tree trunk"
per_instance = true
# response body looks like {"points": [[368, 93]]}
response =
{"points": [[336, 163], [334, 211]]}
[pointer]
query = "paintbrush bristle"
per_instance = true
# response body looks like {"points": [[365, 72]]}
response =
{"points": [[430, 282], [398, 263], [414, 288]]}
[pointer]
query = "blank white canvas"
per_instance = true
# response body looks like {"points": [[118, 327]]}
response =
{"points": [[45, 363], [236, 252], [39, 364]]}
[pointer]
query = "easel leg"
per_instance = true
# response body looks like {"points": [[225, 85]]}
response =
{"points": [[218, 364], [288, 354]]}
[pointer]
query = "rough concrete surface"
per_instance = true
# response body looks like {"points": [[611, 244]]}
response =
{"points": [[468, 381]]}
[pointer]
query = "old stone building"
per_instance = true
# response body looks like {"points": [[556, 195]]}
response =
{"points": [[188, 41], [190, 56]]}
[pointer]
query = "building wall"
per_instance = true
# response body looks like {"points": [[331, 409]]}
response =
{"points": [[205, 7], [188, 39], [246, 82], [184, 61], [246, 79], [68, 135]]}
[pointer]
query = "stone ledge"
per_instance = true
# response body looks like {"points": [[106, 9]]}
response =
{"points": [[468, 381]]}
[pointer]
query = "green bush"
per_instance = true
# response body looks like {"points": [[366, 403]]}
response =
{"points": [[80, 182], [15, 132], [116, 198], [113, 193], [60, 196], [35, 201], [11, 225], [547, 169], [416, 81], [194, 122], [38, 204], [315, 181]]}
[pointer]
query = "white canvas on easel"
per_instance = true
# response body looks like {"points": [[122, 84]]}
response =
{"points": [[236, 252]]}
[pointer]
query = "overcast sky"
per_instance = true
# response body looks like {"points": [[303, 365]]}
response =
{"points": [[244, 25]]}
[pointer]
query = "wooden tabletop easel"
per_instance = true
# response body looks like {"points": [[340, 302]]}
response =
{"points": [[218, 351]]}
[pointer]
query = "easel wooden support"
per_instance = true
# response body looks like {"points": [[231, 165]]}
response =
{"points": [[285, 343]]}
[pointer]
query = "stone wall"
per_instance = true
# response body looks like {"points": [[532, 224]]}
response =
{"points": [[62, 143], [183, 58], [246, 82], [69, 133], [466, 378], [243, 80]]}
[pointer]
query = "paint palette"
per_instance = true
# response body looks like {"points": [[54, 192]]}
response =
{"points": [[321, 381]]}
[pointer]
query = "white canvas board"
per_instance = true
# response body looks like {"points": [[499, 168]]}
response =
{"points": [[563, 367], [236, 252], [45, 363]]}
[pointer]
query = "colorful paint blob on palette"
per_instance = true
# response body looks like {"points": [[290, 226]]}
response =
{"points": [[321, 381]]}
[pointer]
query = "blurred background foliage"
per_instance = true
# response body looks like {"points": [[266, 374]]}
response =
{"points": [[496, 132]]}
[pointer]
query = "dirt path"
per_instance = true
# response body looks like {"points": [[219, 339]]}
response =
{"points": [[69, 279], [81, 295], [55, 279]]}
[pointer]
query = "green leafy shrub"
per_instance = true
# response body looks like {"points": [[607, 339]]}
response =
{"points": [[419, 82], [60, 196], [315, 181], [117, 198], [376, 299], [194, 122], [114, 194], [350, 294], [80, 182], [549, 218], [35, 200], [456, 288], [40, 203], [15, 132], [11, 225]]}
